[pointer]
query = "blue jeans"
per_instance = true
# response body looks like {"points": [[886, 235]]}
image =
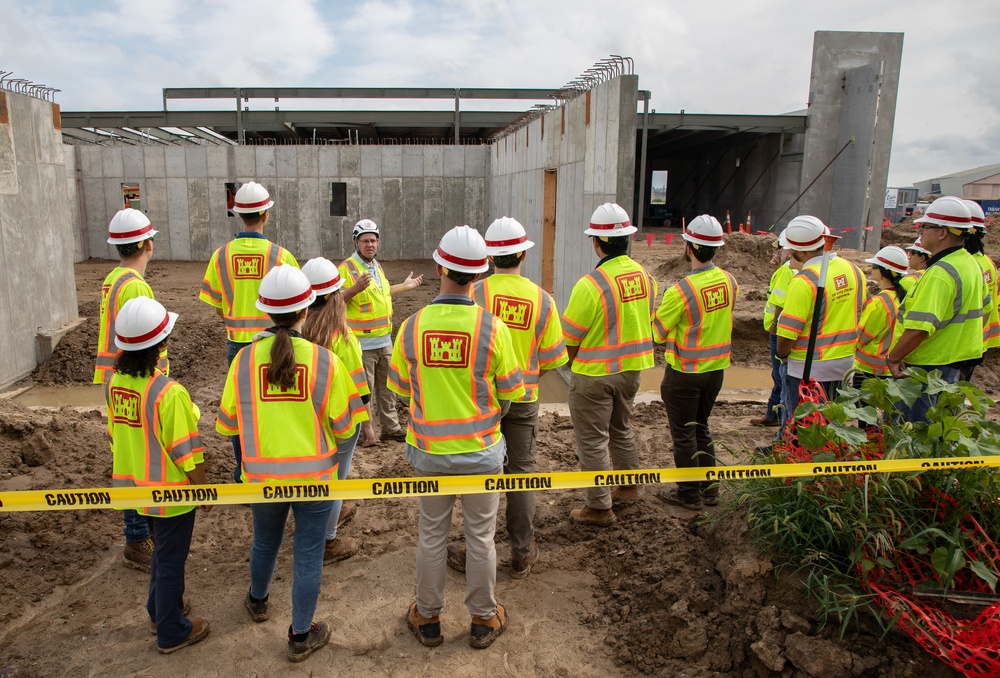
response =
{"points": [[307, 553], [232, 348], [172, 538], [790, 393], [136, 527], [918, 411], [345, 454], [775, 398]]}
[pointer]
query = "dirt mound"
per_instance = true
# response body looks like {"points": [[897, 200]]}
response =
{"points": [[746, 257]]}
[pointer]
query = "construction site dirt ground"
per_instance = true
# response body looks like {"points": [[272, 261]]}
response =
{"points": [[663, 591]]}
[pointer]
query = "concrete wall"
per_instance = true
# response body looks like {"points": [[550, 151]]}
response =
{"points": [[594, 164], [37, 283], [414, 193]]}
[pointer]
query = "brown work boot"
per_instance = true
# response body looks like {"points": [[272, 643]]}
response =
{"points": [[672, 497], [339, 549], [426, 629], [348, 509], [138, 555], [519, 569], [399, 435], [592, 516], [317, 637], [485, 631], [199, 629], [456, 557], [185, 611], [624, 494], [764, 421]]}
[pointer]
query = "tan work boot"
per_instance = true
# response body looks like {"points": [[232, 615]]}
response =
{"points": [[199, 629], [624, 494], [519, 569], [456, 557], [485, 631], [347, 512], [185, 611], [138, 555], [339, 549], [591, 516], [426, 629]]}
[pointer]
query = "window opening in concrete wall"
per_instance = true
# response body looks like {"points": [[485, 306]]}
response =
{"points": [[549, 231], [231, 188], [587, 110], [543, 127], [658, 188], [562, 111], [130, 196], [338, 199]]}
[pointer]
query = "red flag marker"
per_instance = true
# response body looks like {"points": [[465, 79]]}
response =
{"points": [[847, 230], [668, 237], [649, 239], [869, 228]]}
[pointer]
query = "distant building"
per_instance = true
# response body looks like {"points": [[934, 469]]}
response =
{"points": [[981, 183]]}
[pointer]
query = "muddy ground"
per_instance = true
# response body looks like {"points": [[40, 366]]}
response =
{"points": [[662, 592]]}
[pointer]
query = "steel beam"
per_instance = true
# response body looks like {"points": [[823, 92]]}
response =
{"points": [[355, 93]]}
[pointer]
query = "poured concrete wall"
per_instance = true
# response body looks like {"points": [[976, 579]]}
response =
{"points": [[594, 163], [414, 193], [37, 283]]}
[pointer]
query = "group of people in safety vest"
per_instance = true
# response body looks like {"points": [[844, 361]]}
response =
{"points": [[311, 354]]}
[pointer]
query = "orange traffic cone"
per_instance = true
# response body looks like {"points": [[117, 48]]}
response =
{"points": [[729, 224]]}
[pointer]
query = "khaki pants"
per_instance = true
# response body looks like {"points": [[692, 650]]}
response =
{"points": [[601, 409], [376, 364], [519, 427]]}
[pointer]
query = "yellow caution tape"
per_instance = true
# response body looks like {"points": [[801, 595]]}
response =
{"points": [[378, 488]]}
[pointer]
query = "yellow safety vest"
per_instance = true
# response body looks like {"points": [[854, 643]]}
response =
{"points": [[948, 304], [844, 296], [289, 434], [455, 362], [347, 348], [875, 333], [369, 313], [609, 317], [908, 281], [232, 279], [153, 427], [695, 319], [991, 313], [121, 285], [530, 313], [776, 293]]}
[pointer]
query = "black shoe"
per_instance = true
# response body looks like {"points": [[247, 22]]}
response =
{"points": [[318, 636], [257, 608], [671, 496]]}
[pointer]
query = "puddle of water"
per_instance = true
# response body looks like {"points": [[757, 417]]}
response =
{"points": [[89, 396], [749, 383]]}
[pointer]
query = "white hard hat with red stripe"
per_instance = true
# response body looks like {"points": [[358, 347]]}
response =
{"points": [[251, 198], [610, 221], [704, 230], [142, 322], [805, 233], [506, 235], [284, 289], [977, 214], [918, 247], [365, 226], [129, 226], [892, 258], [323, 275], [948, 211], [462, 249]]}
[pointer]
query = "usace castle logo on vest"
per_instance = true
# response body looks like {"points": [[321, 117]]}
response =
{"points": [[715, 297], [446, 349], [296, 393], [631, 286], [125, 406], [248, 266], [515, 313]]}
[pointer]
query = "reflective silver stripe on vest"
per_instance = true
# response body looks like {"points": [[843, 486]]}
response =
{"points": [[479, 293], [224, 279], [957, 315], [106, 361], [484, 337], [246, 323], [612, 354], [158, 385], [212, 294], [244, 401], [312, 467], [611, 332], [226, 420], [509, 383], [547, 355], [185, 448], [792, 323], [322, 382], [447, 429], [368, 324]]}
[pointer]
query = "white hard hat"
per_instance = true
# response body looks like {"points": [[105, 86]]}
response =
{"points": [[142, 322], [976, 211], [948, 211], [610, 221], [323, 275], [506, 235], [251, 198], [365, 226], [782, 240], [129, 226], [892, 258], [704, 230], [918, 247], [462, 249], [805, 233], [284, 289]]}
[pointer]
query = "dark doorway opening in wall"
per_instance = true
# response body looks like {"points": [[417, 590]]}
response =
{"points": [[231, 188], [549, 231], [338, 199]]}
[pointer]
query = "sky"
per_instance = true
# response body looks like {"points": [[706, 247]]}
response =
{"points": [[702, 56]]}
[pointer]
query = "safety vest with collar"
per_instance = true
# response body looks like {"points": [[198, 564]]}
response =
{"points": [[369, 313], [289, 434], [844, 297], [455, 362], [121, 285], [777, 289], [948, 304], [908, 281], [875, 332], [153, 427], [530, 313], [347, 348], [991, 312], [609, 317], [232, 279], [695, 319]]}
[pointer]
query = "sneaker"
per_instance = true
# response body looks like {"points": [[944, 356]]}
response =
{"points": [[199, 629], [399, 435], [257, 608], [339, 549], [426, 629], [764, 421], [670, 496], [138, 555], [519, 569], [456, 557], [347, 512], [624, 494], [318, 636], [485, 631], [185, 611], [595, 517]]}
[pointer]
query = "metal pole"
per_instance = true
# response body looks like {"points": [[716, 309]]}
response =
{"points": [[640, 210], [240, 134], [458, 93]]}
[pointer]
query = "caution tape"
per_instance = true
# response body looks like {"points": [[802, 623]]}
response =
{"points": [[379, 488]]}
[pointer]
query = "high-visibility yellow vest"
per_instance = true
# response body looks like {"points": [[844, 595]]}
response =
{"points": [[455, 362], [289, 434], [369, 312], [609, 317], [948, 304], [908, 281], [153, 427], [875, 333], [695, 319], [232, 279], [530, 313], [844, 296], [121, 285], [776, 290], [991, 314], [347, 348]]}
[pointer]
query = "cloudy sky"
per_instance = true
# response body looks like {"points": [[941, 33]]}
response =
{"points": [[717, 56]]}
